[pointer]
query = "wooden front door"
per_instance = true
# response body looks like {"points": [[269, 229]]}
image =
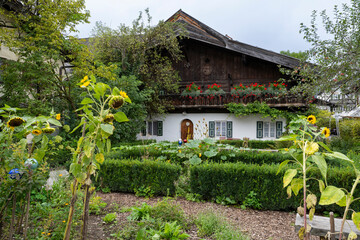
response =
{"points": [[187, 129]]}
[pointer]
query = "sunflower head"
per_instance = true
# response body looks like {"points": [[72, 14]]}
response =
{"points": [[326, 132], [36, 132], [311, 119], [58, 116], [48, 130], [84, 79], [108, 118], [311, 148], [123, 94], [85, 84], [15, 122], [116, 102]]}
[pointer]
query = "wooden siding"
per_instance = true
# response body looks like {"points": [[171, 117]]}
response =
{"points": [[228, 68]]}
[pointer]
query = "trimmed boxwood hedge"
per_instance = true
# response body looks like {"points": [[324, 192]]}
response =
{"points": [[255, 157], [236, 180], [256, 144], [129, 175]]}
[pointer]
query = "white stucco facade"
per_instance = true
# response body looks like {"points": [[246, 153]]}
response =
{"points": [[245, 126]]}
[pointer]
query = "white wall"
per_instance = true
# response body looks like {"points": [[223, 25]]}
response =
{"points": [[242, 126]]}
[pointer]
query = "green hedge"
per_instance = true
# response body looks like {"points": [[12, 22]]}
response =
{"points": [[255, 157], [258, 144], [236, 180], [130, 175]]}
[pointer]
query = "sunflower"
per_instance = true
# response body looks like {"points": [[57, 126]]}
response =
{"points": [[326, 132], [311, 148], [84, 79], [108, 118], [48, 130], [36, 132], [123, 94], [85, 84], [116, 102], [58, 116], [311, 119], [15, 122]]}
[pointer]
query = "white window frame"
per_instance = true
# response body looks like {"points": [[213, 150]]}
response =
{"points": [[269, 129], [220, 128]]}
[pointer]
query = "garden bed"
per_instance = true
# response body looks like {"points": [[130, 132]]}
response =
{"points": [[256, 224]]}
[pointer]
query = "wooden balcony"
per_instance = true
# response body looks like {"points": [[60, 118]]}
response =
{"points": [[218, 102]]}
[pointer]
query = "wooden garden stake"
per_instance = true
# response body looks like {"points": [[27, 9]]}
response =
{"points": [[332, 226], [11, 230], [21, 217], [73, 198], [86, 209], [27, 213]]}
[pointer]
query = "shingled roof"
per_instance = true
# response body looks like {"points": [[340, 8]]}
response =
{"points": [[201, 32]]}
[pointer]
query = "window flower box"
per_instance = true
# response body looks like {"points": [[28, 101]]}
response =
{"points": [[214, 90], [192, 91]]}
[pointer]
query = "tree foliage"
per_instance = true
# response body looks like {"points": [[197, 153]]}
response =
{"points": [[299, 55], [38, 32], [144, 51], [336, 58]]}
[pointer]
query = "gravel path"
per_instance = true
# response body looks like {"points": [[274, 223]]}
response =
{"points": [[259, 225]]}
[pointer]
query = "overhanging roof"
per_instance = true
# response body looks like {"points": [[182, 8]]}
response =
{"points": [[201, 32]]}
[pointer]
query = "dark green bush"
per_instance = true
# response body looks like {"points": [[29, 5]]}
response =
{"points": [[254, 157], [237, 180], [132, 175], [258, 144], [344, 145]]}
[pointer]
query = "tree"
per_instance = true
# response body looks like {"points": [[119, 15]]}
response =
{"points": [[337, 58], [38, 32], [299, 55], [144, 51]]}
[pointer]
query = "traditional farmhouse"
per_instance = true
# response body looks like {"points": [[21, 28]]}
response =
{"points": [[215, 71]]}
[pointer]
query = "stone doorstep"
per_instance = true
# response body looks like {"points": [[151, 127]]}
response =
{"points": [[320, 226]]}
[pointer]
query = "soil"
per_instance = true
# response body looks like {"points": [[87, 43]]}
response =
{"points": [[259, 225]]}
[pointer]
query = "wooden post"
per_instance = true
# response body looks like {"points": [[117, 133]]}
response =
{"points": [[332, 226]]}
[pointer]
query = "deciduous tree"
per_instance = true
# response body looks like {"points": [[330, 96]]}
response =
{"points": [[144, 51], [39, 33], [336, 54]]}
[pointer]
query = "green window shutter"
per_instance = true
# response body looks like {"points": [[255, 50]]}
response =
{"points": [[160, 128], [211, 129], [279, 127], [143, 129], [259, 129], [229, 129], [150, 127]]}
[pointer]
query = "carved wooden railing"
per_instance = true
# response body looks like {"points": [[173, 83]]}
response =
{"points": [[219, 101]]}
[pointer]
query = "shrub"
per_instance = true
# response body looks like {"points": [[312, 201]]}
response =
{"points": [[132, 175], [237, 180]]}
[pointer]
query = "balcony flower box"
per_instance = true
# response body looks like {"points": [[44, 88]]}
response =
{"points": [[256, 91], [214, 90], [191, 91]]}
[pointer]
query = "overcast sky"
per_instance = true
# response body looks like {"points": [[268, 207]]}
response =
{"points": [[270, 24]]}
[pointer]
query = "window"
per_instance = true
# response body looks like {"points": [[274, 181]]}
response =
{"points": [[268, 129], [220, 129], [154, 128]]}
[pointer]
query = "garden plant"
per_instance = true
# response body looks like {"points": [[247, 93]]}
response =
{"points": [[97, 124], [305, 152]]}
